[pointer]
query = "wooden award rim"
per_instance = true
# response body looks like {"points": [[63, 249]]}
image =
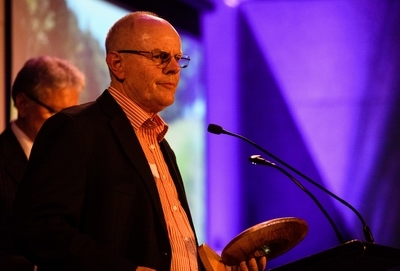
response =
{"points": [[271, 238]]}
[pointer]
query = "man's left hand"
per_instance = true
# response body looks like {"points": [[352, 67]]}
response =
{"points": [[250, 265]]}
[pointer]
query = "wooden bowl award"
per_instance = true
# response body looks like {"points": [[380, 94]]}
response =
{"points": [[271, 238]]}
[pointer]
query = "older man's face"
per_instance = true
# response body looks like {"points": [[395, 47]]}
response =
{"points": [[37, 111], [148, 84]]}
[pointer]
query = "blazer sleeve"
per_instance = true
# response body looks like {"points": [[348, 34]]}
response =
{"points": [[49, 205]]}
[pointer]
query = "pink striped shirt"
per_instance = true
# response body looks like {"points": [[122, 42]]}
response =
{"points": [[151, 131]]}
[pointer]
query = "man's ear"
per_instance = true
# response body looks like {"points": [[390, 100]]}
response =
{"points": [[115, 64]]}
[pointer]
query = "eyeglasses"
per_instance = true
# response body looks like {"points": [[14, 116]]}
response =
{"points": [[49, 108], [160, 57]]}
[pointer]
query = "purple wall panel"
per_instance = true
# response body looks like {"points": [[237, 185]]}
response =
{"points": [[317, 84], [223, 185]]}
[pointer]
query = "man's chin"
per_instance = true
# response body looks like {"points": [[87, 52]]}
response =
{"points": [[164, 105]]}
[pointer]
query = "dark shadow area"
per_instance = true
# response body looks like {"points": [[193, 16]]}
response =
{"points": [[184, 14]]}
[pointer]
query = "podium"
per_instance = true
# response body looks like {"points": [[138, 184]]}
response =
{"points": [[352, 255], [275, 237]]}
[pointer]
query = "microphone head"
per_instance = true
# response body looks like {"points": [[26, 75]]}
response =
{"points": [[215, 129], [257, 159]]}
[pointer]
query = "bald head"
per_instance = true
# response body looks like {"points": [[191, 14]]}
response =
{"points": [[143, 58], [135, 30]]}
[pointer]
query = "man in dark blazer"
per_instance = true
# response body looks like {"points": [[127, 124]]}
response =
{"points": [[103, 190], [13, 163], [42, 87]]}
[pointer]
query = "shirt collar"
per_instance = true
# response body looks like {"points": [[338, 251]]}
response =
{"points": [[25, 142], [137, 116]]}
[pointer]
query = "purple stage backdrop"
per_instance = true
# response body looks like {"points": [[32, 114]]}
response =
{"points": [[316, 83]]}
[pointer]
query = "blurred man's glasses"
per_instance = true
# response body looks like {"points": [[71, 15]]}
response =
{"points": [[49, 108], [160, 57]]}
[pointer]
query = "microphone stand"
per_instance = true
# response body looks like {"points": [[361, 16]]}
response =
{"points": [[352, 255], [257, 159], [216, 129]]}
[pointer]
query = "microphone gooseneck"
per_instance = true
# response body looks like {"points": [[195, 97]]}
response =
{"points": [[257, 159], [216, 129]]}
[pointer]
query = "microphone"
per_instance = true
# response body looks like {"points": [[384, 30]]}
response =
{"points": [[216, 129], [257, 159]]}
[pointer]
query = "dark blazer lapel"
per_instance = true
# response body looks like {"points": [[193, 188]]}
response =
{"points": [[130, 146], [15, 159], [170, 159]]}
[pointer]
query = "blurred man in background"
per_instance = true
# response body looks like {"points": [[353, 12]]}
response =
{"points": [[44, 86]]}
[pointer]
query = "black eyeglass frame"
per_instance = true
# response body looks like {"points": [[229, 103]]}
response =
{"points": [[42, 104], [163, 56]]}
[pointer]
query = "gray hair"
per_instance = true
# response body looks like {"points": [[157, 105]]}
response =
{"points": [[46, 73]]}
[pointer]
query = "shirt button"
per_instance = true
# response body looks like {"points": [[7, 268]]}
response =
{"points": [[174, 208], [152, 147]]}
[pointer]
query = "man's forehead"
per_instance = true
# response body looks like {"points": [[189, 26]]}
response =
{"points": [[155, 34]]}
